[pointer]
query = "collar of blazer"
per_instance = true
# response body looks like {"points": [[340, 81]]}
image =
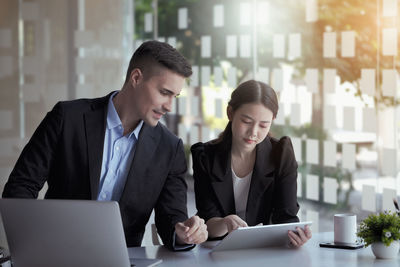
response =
{"points": [[95, 124], [263, 175]]}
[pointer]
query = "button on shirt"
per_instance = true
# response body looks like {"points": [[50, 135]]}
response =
{"points": [[118, 154]]}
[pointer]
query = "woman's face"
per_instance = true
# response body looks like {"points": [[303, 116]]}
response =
{"points": [[250, 125]]}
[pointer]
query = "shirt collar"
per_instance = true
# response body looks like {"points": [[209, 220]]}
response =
{"points": [[114, 121]]}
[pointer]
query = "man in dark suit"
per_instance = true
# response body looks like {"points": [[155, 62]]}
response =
{"points": [[113, 148]]}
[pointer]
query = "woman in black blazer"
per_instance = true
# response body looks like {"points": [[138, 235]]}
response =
{"points": [[245, 177]]}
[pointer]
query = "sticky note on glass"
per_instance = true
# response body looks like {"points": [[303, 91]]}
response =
{"points": [[206, 46], [297, 148], [262, 75], [368, 199], [349, 156], [299, 184], [263, 11], [231, 46], [389, 162], [389, 42], [312, 151], [182, 133], [148, 22], [232, 77], [388, 195], [194, 134], [182, 105], [245, 46], [389, 82], [279, 46], [330, 151], [195, 105], [369, 120], [348, 44], [330, 190], [218, 16], [295, 115], [182, 18], [172, 41], [389, 8], [329, 80], [312, 187], [205, 134], [311, 10], [280, 117], [368, 81], [312, 80], [329, 45], [205, 75], [314, 217], [218, 76], [218, 108], [294, 51], [245, 14], [277, 79], [349, 123], [194, 79]]}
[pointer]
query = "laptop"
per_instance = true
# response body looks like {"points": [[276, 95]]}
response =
{"points": [[66, 233], [272, 235]]}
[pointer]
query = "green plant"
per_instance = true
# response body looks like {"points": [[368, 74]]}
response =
{"points": [[383, 227]]}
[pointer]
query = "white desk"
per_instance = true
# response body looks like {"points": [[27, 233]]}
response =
{"points": [[309, 255]]}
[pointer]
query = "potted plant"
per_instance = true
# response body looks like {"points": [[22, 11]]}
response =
{"points": [[382, 232]]}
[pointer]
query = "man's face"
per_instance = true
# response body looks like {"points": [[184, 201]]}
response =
{"points": [[153, 96]]}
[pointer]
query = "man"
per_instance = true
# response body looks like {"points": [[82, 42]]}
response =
{"points": [[113, 148]]}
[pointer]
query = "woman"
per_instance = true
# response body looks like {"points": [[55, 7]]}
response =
{"points": [[245, 177]]}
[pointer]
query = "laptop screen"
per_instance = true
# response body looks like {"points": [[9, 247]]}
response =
{"points": [[64, 233]]}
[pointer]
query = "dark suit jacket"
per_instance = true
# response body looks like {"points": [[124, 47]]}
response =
{"points": [[66, 150], [273, 188]]}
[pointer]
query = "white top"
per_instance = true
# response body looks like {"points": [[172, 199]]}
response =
{"points": [[241, 187]]}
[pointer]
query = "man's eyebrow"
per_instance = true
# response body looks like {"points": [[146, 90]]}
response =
{"points": [[169, 91]]}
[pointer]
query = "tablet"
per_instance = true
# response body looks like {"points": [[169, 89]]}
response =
{"points": [[273, 235]]}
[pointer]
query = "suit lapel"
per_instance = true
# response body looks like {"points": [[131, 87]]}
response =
{"points": [[95, 123], [263, 176], [145, 148], [222, 183]]}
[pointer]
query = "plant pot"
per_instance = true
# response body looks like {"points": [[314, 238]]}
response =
{"points": [[383, 252]]}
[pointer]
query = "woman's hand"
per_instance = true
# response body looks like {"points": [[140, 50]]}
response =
{"points": [[233, 222], [301, 237]]}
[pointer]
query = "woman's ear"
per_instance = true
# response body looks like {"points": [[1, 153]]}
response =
{"points": [[229, 112]]}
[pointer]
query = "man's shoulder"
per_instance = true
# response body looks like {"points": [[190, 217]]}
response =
{"points": [[166, 133], [83, 103]]}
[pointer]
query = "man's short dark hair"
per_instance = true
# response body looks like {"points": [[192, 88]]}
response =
{"points": [[153, 53]]}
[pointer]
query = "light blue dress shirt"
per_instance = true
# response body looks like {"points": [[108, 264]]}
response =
{"points": [[118, 154]]}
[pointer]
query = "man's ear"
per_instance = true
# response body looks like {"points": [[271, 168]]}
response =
{"points": [[136, 77], [229, 112]]}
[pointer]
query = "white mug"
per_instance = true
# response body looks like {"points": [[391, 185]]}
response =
{"points": [[345, 228]]}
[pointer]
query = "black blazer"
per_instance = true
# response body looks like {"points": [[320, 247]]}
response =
{"points": [[273, 189], [66, 150]]}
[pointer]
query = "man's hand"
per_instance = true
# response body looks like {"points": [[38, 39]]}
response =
{"points": [[233, 222], [191, 231], [301, 237]]}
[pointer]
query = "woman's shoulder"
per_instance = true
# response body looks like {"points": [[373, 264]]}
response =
{"points": [[200, 147], [282, 148]]}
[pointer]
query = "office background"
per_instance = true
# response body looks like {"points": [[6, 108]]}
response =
{"points": [[333, 63]]}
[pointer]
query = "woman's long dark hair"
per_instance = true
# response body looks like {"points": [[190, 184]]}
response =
{"points": [[249, 92]]}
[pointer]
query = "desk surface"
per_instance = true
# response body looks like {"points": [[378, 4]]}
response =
{"points": [[309, 255]]}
